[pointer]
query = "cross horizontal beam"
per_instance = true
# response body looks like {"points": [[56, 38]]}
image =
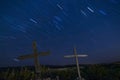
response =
{"points": [[72, 56], [33, 55]]}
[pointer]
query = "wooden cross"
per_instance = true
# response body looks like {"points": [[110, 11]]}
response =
{"points": [[77, 63], [35, 55]]}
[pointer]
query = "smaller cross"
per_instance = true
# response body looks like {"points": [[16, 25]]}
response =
{"points": [[76, 59]]}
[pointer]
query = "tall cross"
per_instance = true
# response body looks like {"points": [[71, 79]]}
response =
{"points": [[35, 55], [76, 59]]}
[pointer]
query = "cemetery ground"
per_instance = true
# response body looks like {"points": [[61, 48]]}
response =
{"points": [[68, 72]]}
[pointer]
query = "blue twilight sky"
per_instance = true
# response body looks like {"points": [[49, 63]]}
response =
{"points": [[93, 26]]}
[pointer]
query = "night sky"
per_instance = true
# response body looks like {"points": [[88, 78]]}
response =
{"points": [[93, 26]]}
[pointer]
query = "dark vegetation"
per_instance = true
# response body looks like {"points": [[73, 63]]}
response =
{"points": [[89, 72]]}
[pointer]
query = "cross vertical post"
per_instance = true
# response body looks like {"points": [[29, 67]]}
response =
{"points": [[77, 63], [36, 60]]}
